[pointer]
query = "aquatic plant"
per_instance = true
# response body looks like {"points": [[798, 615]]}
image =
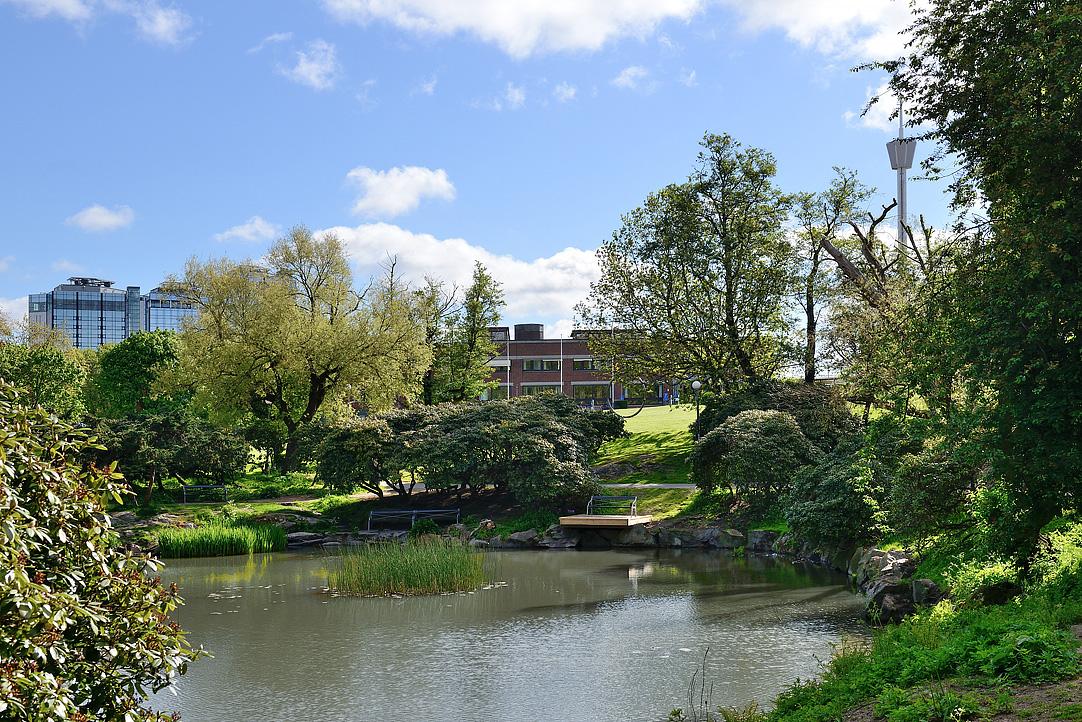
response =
{"points": [[221, 538], [422, 566]]}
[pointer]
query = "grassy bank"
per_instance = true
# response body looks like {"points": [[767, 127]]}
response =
{"points": [[425, 566], [220, 538], [960, 659], [656, 450]]}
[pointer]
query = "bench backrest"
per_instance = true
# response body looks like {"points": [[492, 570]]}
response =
{"points": [[613, 505], [412, 516]]}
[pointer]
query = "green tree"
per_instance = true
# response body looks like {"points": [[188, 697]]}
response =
{"points": [[460, 338], [291, 339], [85, 631], [693, 284], [50, 377], [999, 84], [127, 372]]}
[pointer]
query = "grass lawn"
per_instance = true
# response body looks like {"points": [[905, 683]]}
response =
{"points": [[656, 451]]}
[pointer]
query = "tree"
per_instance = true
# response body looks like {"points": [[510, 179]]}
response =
{"points": [[290, 339], [49, 377], [460, 338], [999, 85], [128, 371], [693, 283], [85, 631], [754, 456], [819, 217]]}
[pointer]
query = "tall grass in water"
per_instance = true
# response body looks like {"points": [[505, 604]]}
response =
{"points": [[221, 538], [425, 566]]}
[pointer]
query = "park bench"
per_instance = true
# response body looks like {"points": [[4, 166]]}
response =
{"points": [[613, 505], [412, 515], [184, 489]]}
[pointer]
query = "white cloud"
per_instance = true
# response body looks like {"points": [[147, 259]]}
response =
{"points": [[388, 193], [63, 265], [427, 87], [317, 66], [157, 23], [631, 77], [271, 39], [878, 115], [14, 309], [523, 27], [863, 29], [75, 11], [515, 96], [540, 289], [687, 78], [564, 92], [97, 218], [254, 229], [5, 263]]}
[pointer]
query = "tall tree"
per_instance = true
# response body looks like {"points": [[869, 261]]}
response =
{"points": [[289, 338], [127, 372], [47, 370], [693, 283]]}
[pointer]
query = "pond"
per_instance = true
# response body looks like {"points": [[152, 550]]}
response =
{"points": [[576, 635]]}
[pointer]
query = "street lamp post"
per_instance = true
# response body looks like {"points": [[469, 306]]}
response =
{"points": [[901, 151], [695, 386]]}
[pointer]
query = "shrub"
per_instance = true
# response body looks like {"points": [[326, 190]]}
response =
{"points": [[820, 411], [424, 527], [221, 538], [754, 454], [356, 456], [84, 629], [838, 502], [419, 567]]}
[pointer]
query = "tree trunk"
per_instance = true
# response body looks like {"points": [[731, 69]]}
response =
{"points": [[809, 349]]}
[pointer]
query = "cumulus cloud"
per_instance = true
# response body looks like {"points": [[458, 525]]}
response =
{"points": [[98, 218], [14, 309], [271, 39], [388, 193], [524, 27], [544, 288], [317, 66], [252, 230], [564, 92], [878, 114], [858, 29], [75, 11], [157, 23], [631, 77]]}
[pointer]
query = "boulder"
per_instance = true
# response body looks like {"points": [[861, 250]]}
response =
{"points": [[123, 519], [761, 541], [926, 592], [523, 537], [558, 537], [479, 544], [891, 608], [303, 538]]}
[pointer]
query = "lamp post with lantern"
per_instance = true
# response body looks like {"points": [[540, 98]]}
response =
{"points": [[696, 385], [901, 151]]}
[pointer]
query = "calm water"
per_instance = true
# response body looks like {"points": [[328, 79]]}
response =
{"points": [[601, 635]]}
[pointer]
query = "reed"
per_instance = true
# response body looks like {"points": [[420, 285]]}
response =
{"points": [[221, 538], [423, 566]]}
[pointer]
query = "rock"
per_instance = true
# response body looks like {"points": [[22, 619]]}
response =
{"points": [[891, 609], [885, 585], [484, 525], [123, 519], [479, 543], [523, 537], [558, 537], [761, 541], [331, 545], [926, 592], [998, 592], [302, 538], [634, 536]]}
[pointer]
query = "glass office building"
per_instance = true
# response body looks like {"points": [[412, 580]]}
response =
{"points": [[93, 313]]}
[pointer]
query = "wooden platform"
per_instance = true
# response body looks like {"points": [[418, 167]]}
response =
{"points": [[610, 521]]}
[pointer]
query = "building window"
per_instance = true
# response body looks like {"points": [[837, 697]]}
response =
{"points": [[537, 389], [585, 364], [588, 392], [497, 394], [541, 364]]}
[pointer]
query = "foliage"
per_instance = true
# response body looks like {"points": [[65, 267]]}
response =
{"points": [[127, 372], [221, 538], [820, 410], [356, 456], [458, 332], [838, 502], [429, 566], [423, 527], [50, 377], [84, 629], [537, 519], [693, 282], [290, 339], [174, 443], [754, 455]]}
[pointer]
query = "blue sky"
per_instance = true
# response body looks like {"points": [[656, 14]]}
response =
{"points": [[138, 133]]}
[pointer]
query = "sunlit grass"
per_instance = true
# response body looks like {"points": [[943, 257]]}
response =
{"points": [[220, 538], [420, 567], [660, 440]]}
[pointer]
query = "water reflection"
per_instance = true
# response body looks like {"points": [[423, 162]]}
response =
{"points": [[603, 635]]}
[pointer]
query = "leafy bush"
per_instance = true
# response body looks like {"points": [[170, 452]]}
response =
{"points": [[838, 502], [754, 454], [356, 456], [84, 629], [820, 411], [424, 527]]}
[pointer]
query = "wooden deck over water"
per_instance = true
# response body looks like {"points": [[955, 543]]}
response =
{"points": [[610, 521]]}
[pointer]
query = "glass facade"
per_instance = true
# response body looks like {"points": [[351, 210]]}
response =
{"points": [[538, 389], [538, 364], [92, 313]]}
